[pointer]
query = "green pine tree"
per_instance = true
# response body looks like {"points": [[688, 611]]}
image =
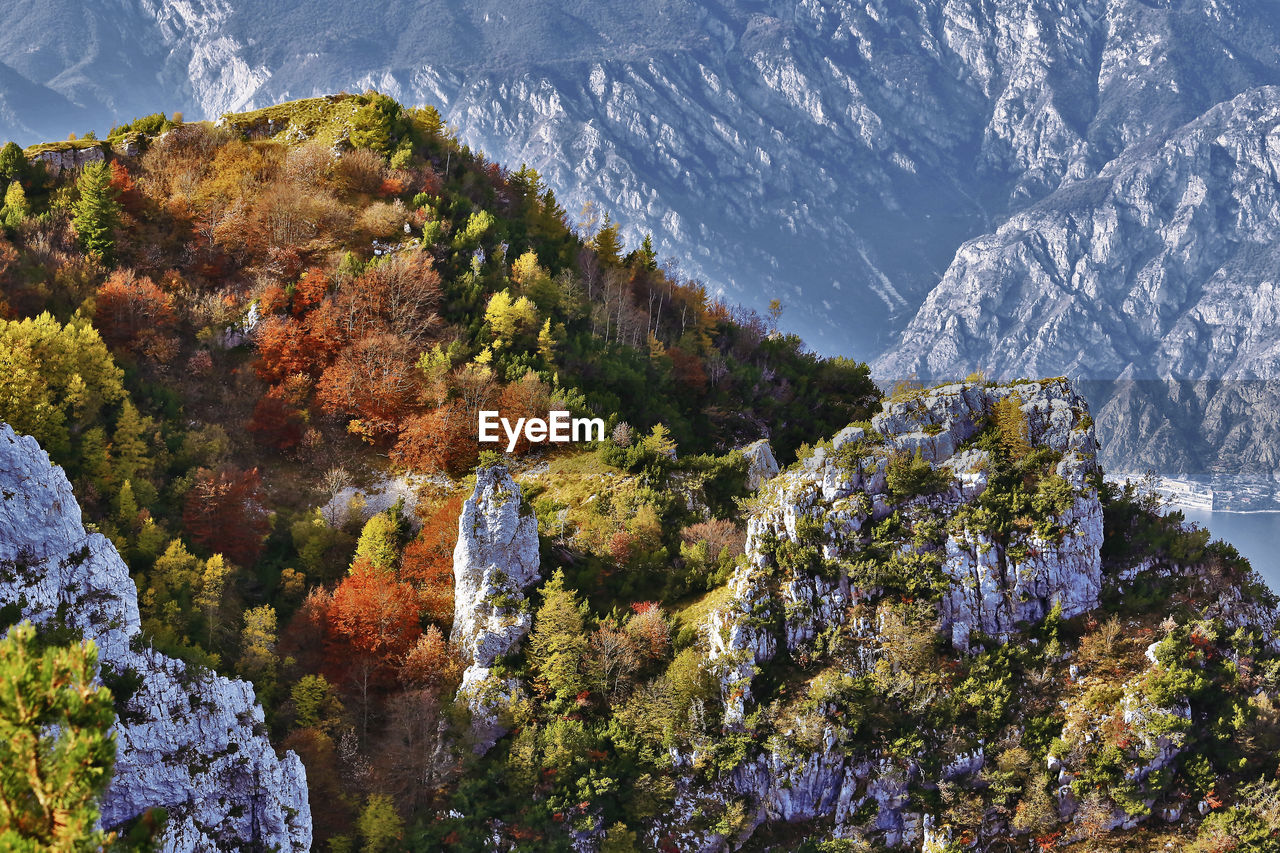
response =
{"points": [[97, 213], [56, 745], [13, 165], [558, 644]]}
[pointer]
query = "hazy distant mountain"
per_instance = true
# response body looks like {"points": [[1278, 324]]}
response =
{"points": [[833, 154]]}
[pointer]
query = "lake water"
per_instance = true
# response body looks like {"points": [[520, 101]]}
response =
{"points": [[1256, 536]]}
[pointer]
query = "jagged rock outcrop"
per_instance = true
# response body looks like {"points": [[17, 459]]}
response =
{"points": [[808, 532], [190, 741], [58, 160], [494, 563], [761, 464]]}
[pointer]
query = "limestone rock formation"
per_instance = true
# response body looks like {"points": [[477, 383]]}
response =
{"points": [[190, 741], [806, 536], [761, 464], [494, 563]]}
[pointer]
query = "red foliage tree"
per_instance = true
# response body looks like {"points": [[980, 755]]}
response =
{"points": [[687, 370], [310, 290], [428, 562], [373, 621], [306, 638], [374, 380], [285, 348], [528, 398], [224, 513], [399, 296], [129, 308], [375, 613], [276, 423], [126, 189]]}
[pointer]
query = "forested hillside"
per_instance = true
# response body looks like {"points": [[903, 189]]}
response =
{"points": [[220, 330]]}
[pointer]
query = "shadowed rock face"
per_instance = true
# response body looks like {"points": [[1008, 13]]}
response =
{"points": [[191, 742], [494, 563]]}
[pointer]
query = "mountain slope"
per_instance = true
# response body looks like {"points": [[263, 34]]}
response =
{"points": [[832, 154], [1162, 267]]}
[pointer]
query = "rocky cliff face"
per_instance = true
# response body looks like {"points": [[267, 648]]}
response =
{"points": [[192, 742], [494, 563], [1162, 267], [802, 583]]}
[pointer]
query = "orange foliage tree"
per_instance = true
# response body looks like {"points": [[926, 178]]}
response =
{"points": [[373, 619], [373, 380], [443, 439], [129, 309], [427, 563]]}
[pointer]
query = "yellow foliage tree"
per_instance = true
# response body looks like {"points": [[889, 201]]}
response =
{"points": [[56, 378], [510, 318]]}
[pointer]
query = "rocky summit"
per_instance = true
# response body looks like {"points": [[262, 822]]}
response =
{"points": [[187, 740]]}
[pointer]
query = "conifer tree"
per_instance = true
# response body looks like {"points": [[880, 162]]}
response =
{"points": [[56, 745], [607, 243], [1012, 425], [97, 213], [558, 644]]}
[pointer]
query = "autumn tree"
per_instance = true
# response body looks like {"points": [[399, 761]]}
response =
{"points": [[413, 755], [258, 660], [443, 439], [427, 562], [379, 544], [431, 664], [285, 348], [224, 512], [1012, 426], [375, 618], [510, 320], [211, 594], [374, 382], [56, 379], [129, 308], [528, 398], [614, 657], [275, 423], [97, 212], [379, 825]]}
